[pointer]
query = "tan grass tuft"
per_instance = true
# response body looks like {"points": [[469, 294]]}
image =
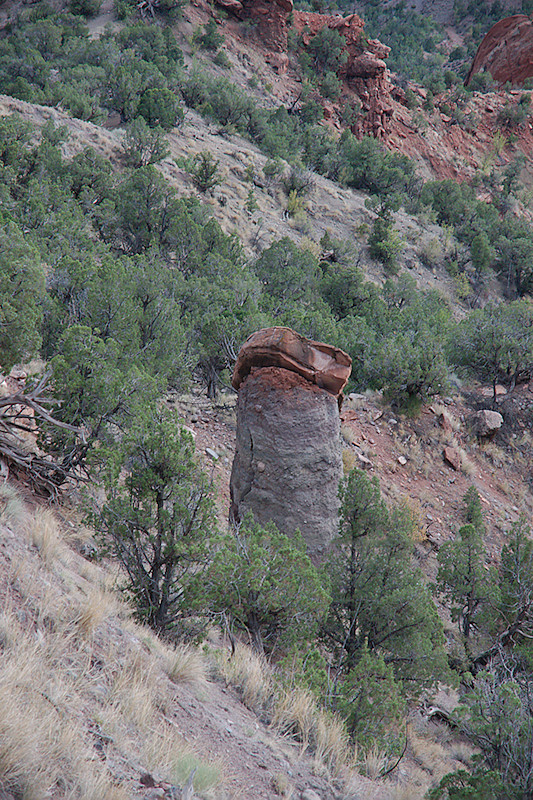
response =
{"points": [[134, 691], [96, 606], [185, 664], [13, 511], [349, 461], [45, 534], [332, 741], [295, 714], [165, 751], [250, 673], [374, 763]]}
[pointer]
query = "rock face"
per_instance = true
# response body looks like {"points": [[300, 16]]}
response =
{"points": [[271, 18], [487, 422], [365, 72], [317, 362], [288, 457], [506, 51]]}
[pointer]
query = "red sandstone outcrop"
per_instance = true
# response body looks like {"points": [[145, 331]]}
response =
{"points": [[506, 51], [364, 72], [271, 18], [288, 456], [319, 363]]}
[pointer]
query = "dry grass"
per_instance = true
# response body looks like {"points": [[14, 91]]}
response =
{"points": [[348, 434], [44, 748], [44, 534], [185, 664], [349, 461], [282, 786], [97, 607], [374, 763], [13, 512], [295, 714], [165, 751], [251, 674], [83, 699], [332, 742]]}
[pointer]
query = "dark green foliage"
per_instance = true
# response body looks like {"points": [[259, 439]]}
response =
{"points": [[380, 602], [384, 242], [138, 65], [97, 389], [87, 8], [22, 292], [462, 785], [210, 38], [158, 522], [496, 343], [144, 145], [481, 253], [289, 274], [372, 703], [516, 585], [497, 717], [412, 37], [472, 511], [507, 241], [265, 583], [326, 50], [366, 165], [330, 86], [160, 108], [462, 579], [204, 172]]}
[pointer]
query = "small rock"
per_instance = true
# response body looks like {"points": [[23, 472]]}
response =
{"points": [[452, 458], [213, 453], [402, 460], [488, 391], [445, 422], [309, 794], [260, 466], [393, 421]]}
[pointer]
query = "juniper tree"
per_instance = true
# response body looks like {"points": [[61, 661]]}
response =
{"points": [[158, 520]]}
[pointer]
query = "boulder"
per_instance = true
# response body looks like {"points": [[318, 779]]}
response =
{"points": [[506, 51], [288, 456], [487, 422], [319, 363], [452, 458]]}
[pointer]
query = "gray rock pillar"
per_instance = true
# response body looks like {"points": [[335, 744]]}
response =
{"points": [[288, 458]]}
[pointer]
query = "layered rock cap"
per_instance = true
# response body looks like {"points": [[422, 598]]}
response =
{"points": [[288, 457]]}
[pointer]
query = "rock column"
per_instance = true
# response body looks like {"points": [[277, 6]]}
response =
{"points": [[288, 458]]}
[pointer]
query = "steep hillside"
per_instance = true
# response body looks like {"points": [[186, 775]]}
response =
{"points": [[141, 295]]}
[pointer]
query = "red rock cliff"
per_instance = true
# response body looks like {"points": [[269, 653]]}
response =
{"points": [[364, 72], [506, 51]]}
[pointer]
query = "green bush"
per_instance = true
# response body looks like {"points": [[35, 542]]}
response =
{"points": [[87, 8], [159, 520], [267, 586], [160, 108]]}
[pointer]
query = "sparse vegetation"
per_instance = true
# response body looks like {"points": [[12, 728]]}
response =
{"points": [[127, 288]]}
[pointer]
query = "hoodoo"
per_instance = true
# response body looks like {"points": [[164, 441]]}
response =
{"points": [[288, 457]]}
